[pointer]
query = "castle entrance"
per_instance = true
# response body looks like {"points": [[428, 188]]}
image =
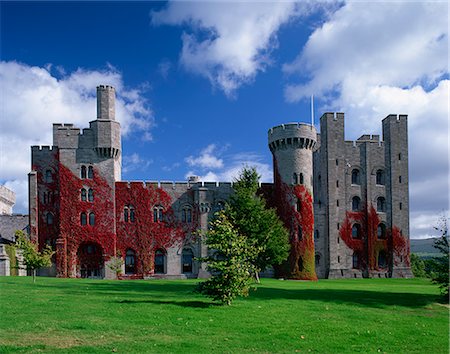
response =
{"points": [[90, 260]]}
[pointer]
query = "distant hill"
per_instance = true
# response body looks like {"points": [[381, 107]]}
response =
{"points": [[424, 248]]}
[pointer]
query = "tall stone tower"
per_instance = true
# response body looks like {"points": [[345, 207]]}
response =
{"points": [[292, 147]]}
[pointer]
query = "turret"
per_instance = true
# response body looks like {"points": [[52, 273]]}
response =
{"points": [[292, 147], [106, 102]]}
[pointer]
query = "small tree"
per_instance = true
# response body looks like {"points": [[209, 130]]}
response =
{"points": [[231, 264], [33, 259], [259, 224], [115, 264], [441, 269]]}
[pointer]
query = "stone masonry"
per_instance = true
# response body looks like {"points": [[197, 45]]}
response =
{"points": [[356, 193]]}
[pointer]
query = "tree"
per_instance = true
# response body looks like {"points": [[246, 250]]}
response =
{"points": [[417, 266], [115, 264], [231, 263], [440, 266], [259, 224], [33, 259]]}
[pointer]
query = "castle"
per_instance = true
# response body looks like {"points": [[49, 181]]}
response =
{"points": [[345, 203]]}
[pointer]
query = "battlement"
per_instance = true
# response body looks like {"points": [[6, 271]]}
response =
{"points": [[396, 118], [175, 184], [42, 148], [293, 135], [369, 137]]}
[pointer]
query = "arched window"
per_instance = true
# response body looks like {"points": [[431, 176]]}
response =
{"points": [[356, 231], [295, 178], [355, 260], [91, 219], [48, 176], [160, 261], [356, 203], [158, 214], [91, 195], [83, 172], [186, 215], [317, 259], [83, 194], [381, 204], [90, 172], [132, 214], [381, 231], [49, 218], [380, 177], [130, 262], [382, 259], [301, 178], [187, 260], [126, 214], [355, 176], [300, 233], [83, 219], [316, 234]]}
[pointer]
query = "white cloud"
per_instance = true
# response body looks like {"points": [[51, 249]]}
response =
{"points": [[372, 59], [206, 159], [134, 162], [230, 43], [231, 169], [32, 98]]}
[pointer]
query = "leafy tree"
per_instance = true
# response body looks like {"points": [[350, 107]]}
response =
{"points": [[417, 266], [440, 266], [231, 264], [33, 259], [115, 264], [261, 225]]}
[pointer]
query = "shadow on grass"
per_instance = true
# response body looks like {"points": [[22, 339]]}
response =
{"points": [[197, 304], [358, 297]]}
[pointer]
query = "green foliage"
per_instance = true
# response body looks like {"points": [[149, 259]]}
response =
{"points": [[115, 264], [231, 264], [32, 258], [11, 251], [440, 264], [258, 223], [417, 266]]}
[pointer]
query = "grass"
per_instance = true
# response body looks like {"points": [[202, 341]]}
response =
{"points": [[328, 316]]}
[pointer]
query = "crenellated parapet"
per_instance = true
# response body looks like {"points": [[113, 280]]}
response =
{"points": [[292, 136]]}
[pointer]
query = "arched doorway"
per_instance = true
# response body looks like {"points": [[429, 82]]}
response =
{"points": [[90, 260], [160, 261], [130, 262], [187, 260]]}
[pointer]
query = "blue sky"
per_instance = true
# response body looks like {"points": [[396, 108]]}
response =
{"points": [[200, 83]]}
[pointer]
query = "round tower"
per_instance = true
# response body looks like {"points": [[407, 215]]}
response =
{"points": [[292, 148]]}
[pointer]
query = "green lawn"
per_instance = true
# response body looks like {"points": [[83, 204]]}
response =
{"points": [[329, 316]]}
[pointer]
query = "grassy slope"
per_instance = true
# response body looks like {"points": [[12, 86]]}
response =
{"points": [[357, 315]]}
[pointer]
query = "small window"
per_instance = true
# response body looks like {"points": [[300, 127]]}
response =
{"points": [[91, 195], [381, 204], [49, 219], [295, 178], [316, 234], [160, 262], [90, 172], [132, 214], [355, 260], [356, 203], [317, 259], [400, 206], [382, 259], [381, 231], [339, 259], [320, 204], [338, 240], [338, 226], [399, 179], [83, 172], [48, 176], [157, 214], [399, 156], [83, 219], [356, 231], [83, 194], [337, 162], [186, 215], [126, 214], [337, 183], [91, 219], [380, 177], [300, 233], [356, 177], [337, 202], [298, 206], [301, 178]]}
